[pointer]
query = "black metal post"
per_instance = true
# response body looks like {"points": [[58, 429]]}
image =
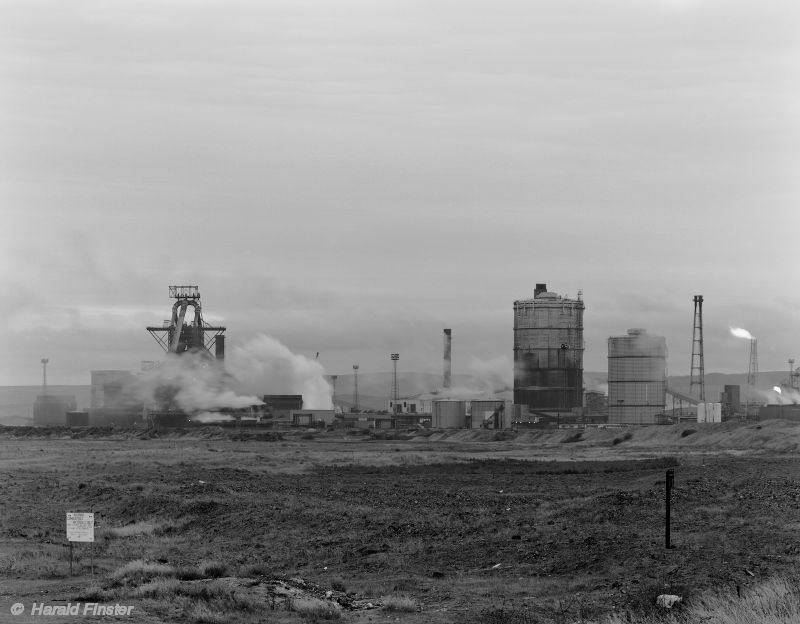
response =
{"points": [[668, 492]]}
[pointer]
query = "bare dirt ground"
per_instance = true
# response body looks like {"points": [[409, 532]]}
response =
{"points": [[564, 526]]}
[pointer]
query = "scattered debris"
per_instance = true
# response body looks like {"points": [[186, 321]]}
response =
{"points": [[285, 589]]}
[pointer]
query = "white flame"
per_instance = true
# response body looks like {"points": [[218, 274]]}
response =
{"points": [[741, 333], [777, 389]]}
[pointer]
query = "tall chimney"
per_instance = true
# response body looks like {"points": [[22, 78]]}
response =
{"points": [[448, 338]]}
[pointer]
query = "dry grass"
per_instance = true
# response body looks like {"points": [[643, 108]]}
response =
{"points": [[131, 530], [314, 610], [138, 571], [776, 601], [318, 535], [42, 562], [158, 589], [401, 603]]}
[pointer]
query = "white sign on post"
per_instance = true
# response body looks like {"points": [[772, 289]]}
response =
{"points": [[80, 527]]}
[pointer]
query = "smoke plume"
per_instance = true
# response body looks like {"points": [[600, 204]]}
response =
{"points": [[265, 366], [190, 382], [487, 380], [741, 333]]}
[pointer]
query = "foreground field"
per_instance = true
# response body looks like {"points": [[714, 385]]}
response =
{"points": [[467, 527]]}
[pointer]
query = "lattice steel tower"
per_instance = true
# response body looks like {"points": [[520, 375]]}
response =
{"points": [[697, 375], [752, 369], [355, 388], [395, 387]]}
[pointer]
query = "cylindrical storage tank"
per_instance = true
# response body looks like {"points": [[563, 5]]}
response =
{"points": [[490, 414], [449, 414], [548, 351], [637, 378]]}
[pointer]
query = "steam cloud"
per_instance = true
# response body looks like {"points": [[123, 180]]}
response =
{"points": [[197, 385], [489, 378], [741, 333], [781, 396], [266, 366], [190, 382]]}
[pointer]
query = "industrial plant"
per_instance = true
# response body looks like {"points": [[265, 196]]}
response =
{"points": [[549, 389]]}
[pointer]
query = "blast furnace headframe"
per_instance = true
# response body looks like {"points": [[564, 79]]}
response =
{"points": [[178, 336]]}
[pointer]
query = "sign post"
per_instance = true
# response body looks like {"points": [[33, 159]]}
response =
{"points": [[668, 495], [80, 528]]}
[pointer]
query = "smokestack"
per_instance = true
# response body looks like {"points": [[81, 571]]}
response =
{"points": [[540, 288], [448, 338]]}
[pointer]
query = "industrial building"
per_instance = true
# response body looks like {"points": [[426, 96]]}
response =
{"points": [[596, 403], [447, 414], [410, 406], [730, 397], [637, 378], [789, 411], [108, 383], [548, 351], [489, 414], [51, 409]]}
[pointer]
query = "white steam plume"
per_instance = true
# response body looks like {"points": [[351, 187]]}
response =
{"points": [[190, 382], [781, 396], [265, 366], [489, 378], [741, 333]]}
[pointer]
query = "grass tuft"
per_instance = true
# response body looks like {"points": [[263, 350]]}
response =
{"points": [[399, 603], [313, 609], [158, 589], [131, 530], [201, 613], [95, 593], [139, 571], [213, 569]]}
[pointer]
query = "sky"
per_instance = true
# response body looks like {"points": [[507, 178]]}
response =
{"points": [[351, 177]]}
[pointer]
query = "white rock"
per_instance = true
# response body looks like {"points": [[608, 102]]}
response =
{"points": [[668, 600]]}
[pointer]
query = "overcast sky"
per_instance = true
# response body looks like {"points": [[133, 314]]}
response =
{"points": [[352, 176]]}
